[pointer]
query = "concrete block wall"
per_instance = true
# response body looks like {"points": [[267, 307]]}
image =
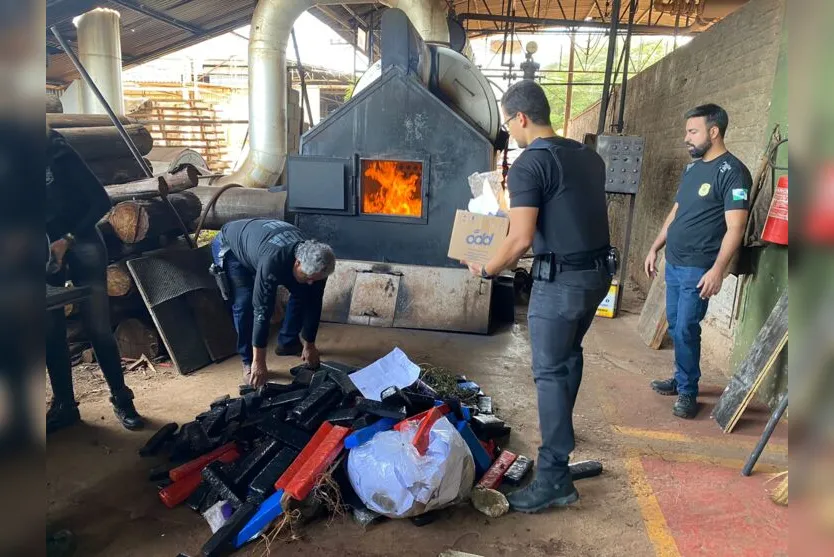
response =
{"points": [[733, 64]]}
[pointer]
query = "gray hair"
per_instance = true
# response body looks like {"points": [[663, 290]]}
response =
{"points": [[315, 258]]}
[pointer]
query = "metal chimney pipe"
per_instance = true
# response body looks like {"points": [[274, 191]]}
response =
{"points": [[100, 51], [271, 27]]}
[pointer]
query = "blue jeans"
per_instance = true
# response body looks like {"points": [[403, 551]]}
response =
{"points": [[684, 311], [242, 283], [559, 315]]}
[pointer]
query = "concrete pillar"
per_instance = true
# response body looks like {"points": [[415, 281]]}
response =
{"points": [[100, 51]]}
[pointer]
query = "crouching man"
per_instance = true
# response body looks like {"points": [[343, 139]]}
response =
{"points": [[258, 255]]}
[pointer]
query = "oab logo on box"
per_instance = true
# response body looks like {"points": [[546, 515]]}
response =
{"points": [[479, 238]]}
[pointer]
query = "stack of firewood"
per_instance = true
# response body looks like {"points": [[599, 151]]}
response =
{"points": [[140, 220]]}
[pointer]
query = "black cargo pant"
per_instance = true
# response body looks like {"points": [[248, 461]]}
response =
{"points": [[560, 314], [86, 265]]}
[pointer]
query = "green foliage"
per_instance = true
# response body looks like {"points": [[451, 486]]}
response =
{"points": [[589, 67]]}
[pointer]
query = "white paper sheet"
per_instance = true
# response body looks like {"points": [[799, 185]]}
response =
{"points": [[394, 369]]}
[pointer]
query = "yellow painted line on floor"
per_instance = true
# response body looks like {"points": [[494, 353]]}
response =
{"points": [[674, 437], [656, 527]]}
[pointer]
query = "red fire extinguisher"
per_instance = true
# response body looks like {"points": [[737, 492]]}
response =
{"points": [[776, 227]]}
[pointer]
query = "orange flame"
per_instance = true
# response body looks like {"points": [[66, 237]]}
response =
{"points": [[398, 189]]}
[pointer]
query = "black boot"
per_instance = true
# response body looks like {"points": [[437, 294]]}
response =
{"points": [[125, 411], [686, 407], [667, 387], [540, 495], [61, 414], [291, 349]]}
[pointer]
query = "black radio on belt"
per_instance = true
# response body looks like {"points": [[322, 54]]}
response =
{"points": [[547, 265]]}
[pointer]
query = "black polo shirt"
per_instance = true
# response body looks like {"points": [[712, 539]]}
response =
{"points": [[707, 190]]}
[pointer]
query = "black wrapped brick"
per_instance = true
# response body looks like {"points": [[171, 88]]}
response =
{"points": [[269, 390], [264, 483], [364, 420], [252, 403], [234, 410], [196, 499], [250, 465], [344, 417], [318, 379], [341, 378], [246, 389], [222, 542], [220, 482], [158, 473], [215, 422], [285, 433], [285, 399], [419, 403], [379, 409], [158, 439], [321, 410], [518, 470], [315, 400], [220, 401]]}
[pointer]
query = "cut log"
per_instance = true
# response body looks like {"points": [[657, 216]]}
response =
{"points": [[105, 142], [148, 188], [88, 356], [60, 121], [53, 104], [240, 203], [119, 281], [117, 171], [135, 338], [135, 221]]}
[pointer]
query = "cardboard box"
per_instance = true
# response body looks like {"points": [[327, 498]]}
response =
{"points": [[476, 238]]}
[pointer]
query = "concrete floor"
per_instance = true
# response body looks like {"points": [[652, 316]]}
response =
{"points": [[670, 487]]}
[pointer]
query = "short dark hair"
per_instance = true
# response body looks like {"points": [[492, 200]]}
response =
{"points": [[715, 115], [527, 97]]}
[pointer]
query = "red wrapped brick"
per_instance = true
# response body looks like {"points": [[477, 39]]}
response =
{"points": [[493, 477]]}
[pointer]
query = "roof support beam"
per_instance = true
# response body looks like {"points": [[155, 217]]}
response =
{"points": [[159, 16]]}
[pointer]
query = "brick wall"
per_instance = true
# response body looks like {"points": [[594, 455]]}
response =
{"points": [[733, 64]]}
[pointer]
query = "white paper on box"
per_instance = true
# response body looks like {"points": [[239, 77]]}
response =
{"points": [[394, 369]]}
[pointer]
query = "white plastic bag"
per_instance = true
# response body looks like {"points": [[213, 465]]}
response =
{"points": [[487, 193], [391, 477]]}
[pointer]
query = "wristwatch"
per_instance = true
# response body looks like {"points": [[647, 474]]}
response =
{"points": [[70, 238], [484, 274]]}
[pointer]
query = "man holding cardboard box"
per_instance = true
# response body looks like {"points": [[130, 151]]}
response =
{"points": [[557, 205]]}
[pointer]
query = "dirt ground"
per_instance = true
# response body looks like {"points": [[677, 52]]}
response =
{"points": [[97, 485]]}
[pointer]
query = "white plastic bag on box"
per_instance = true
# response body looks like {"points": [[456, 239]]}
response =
{"points": [[391, 477], [488, 197]]}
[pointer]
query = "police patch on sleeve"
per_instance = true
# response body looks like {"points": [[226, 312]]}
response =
{"points": [[740, 194]]}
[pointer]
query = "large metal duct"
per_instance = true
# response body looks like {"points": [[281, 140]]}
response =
{"points": [[100, 50], [271, 26]]}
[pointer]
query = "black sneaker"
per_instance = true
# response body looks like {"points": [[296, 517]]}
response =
{"points": [[666, 387], [540, 495], [122, 402], [292, 349], [61, 415], [686, 407]]}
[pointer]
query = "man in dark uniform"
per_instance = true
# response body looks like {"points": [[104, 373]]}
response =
{"points": [[257, 256], [702, 233], [557, 205]]}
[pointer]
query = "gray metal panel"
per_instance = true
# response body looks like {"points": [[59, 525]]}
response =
{"points": [[317, 183], [433, 298], [623, 156]]}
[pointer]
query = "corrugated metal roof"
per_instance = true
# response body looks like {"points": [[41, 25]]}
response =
{"points": [[153, 28]]}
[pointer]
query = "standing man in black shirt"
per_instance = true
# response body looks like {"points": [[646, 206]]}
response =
{"points": [[702, 233], [258, 255], [557, 205]]}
